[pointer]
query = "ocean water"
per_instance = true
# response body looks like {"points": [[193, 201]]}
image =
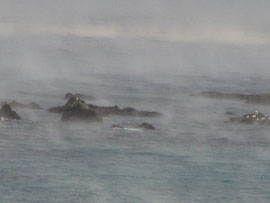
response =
{"points": [[193, 156]]}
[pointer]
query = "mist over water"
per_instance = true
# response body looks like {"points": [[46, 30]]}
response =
{"points": [[151, 55]]}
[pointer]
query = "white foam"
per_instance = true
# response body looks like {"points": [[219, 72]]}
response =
{"points": [[132, 129]]}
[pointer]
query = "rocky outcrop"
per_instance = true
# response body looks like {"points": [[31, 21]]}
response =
{"points": [[6, 113], [128, 111], [147, 126], [77, 110], [80, 96], [69, 105], [110, 110], [254, 118], [248, 98], [105, 111], [16, 104]]}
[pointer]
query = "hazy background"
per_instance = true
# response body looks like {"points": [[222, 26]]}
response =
{"points": [[151, 55], [64, 38]]}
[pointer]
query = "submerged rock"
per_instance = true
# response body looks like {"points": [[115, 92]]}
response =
{"points": [[253, 118], [6, 113], [80, 96], [248, 98], [220, 95], [31, 105], [77, 110], [117, 126], [258, 99], [147, 126], [16, 104]]}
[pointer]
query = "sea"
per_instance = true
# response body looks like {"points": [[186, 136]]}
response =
{"points": [[192, 156]]}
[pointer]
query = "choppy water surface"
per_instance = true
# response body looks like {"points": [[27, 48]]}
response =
{"points": [[193, 156]]}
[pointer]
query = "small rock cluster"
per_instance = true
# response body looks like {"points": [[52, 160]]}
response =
{"points": [[76, 109], [255, 117], [16, 104], [6, 113]]}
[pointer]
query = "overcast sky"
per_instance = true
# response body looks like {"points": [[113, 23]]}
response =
{"points": [[247, 12], [220, 21], [67, 37]]}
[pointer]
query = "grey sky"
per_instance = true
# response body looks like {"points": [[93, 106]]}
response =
{"points": [[253, 13], [219, 21], [177, 34]]}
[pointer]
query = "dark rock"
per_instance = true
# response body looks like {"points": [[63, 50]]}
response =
{"points": [[220, 95], [69, 103], [77, 110], [117, 126], [76, 102], [80, 96], [147, 126], [109, 110], [147, 114], [16, 104], [6, 113], [254, 118], [57, 109], [248, 98], [128, 111], [105, 111]]}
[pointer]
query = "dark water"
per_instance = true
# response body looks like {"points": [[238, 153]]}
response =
{"points": [[193, 156]]}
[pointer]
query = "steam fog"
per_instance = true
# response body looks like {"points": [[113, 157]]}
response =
{"points": [[149, 37], [151, 55]]}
